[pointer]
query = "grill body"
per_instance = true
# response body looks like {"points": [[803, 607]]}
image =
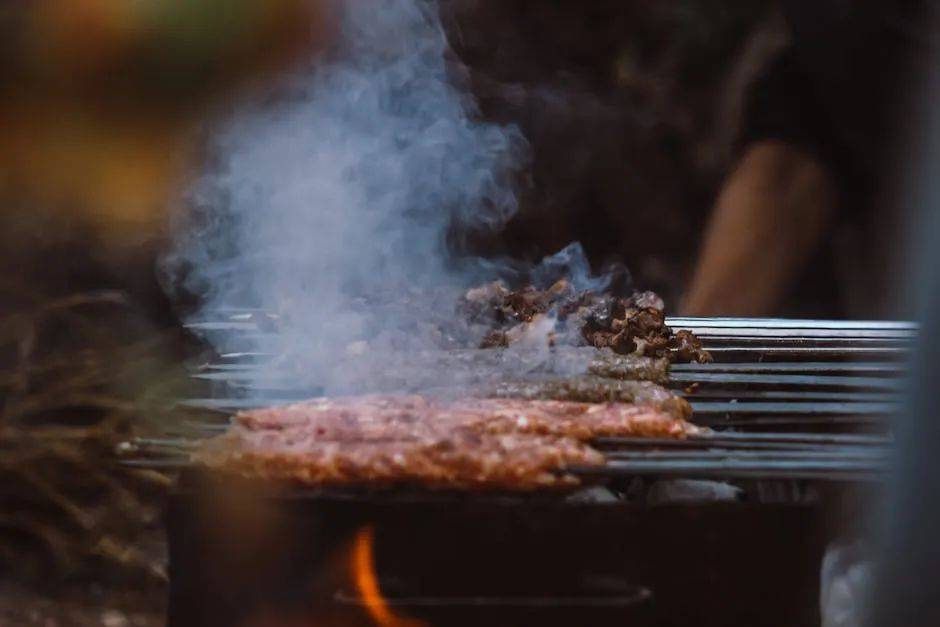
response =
{"points": [[451, 560], [248, 556]]}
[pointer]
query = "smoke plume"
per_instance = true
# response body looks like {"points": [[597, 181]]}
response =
{"points": [[330, 199]]}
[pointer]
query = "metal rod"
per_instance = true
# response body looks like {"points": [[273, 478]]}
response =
{"points": [[230, 312], [788, 323], [879, 368], [834, 421], [246, 320], [234, 310], [724, 446], [802, 335], [246, 377], [847, 396], [726, 438], [700, 408], [228, 405], [792, 409], [809, 352], [221, 325], [244, 354], [227, 367], [794, 380], [230, 375], [820, 470], [814, 438], [708, 455], [801, 341], [156, 464], [175, 443]]}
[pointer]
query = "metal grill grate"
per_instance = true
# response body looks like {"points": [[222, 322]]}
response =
{"points": [[788, 399]]}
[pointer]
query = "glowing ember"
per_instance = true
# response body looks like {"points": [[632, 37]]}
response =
{"points": [[367, 583]]}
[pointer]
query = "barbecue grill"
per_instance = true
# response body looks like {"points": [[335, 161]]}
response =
{"points": [[798, 414]]}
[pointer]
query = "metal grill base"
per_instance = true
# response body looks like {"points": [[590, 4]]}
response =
{"points": [[460, 560]]}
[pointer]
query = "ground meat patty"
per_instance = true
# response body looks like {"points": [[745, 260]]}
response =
{"points": [[507, 444], [594, 389], [461, 459], [581, 421], [339, 415], [629, 367]]}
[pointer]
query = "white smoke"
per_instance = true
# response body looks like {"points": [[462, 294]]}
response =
{"points": [[339, 192]]}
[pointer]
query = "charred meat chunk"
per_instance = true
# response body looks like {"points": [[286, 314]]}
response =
{"points": [[627, 326]]}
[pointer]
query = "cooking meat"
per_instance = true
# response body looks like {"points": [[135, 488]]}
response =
{"points": [[594, 389], [686, 348], [459, 459], [638, 325], [389, 418], [610, 365], [342, 418], [581, 421], [465, 369], [506, 444], [627, 326]]}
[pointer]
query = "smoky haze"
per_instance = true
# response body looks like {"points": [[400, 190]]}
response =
{"points": [[336, 194], [332, 201]]}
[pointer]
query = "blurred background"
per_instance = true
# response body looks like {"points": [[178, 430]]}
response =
{"points": [[634, 111]]}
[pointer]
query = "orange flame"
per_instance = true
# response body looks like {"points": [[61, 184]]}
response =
{"points": [[367, 583]]}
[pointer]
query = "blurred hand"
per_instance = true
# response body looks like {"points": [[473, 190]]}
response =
{"points": [[770, 217]]}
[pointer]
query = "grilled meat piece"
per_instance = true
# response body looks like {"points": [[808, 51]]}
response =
{"points": [[358, 417], [627, 326], [638, 325], [461, 459], [505, 444], [581, 421], [432, 371], [392, 417], [610, 365], [687, 348], [594, 389]]}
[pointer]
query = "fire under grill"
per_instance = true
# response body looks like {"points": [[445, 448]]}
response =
{"points": [[798, 411]]}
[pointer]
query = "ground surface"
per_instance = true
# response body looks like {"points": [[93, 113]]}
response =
{"points": [[80, 606]]}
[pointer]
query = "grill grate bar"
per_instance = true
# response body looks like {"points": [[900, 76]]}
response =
{"points": [[157, 464], [716, 438], [726, 446], [802, 336], [765, 352], [828, 470], [805, 375], [792, 380], [835, 445], [229, 405], [871, 368], [731, 374], [793, 409], [848, 396], [787, 408], [246, 314], [818, 454], [874, 422], [786, 324]]}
